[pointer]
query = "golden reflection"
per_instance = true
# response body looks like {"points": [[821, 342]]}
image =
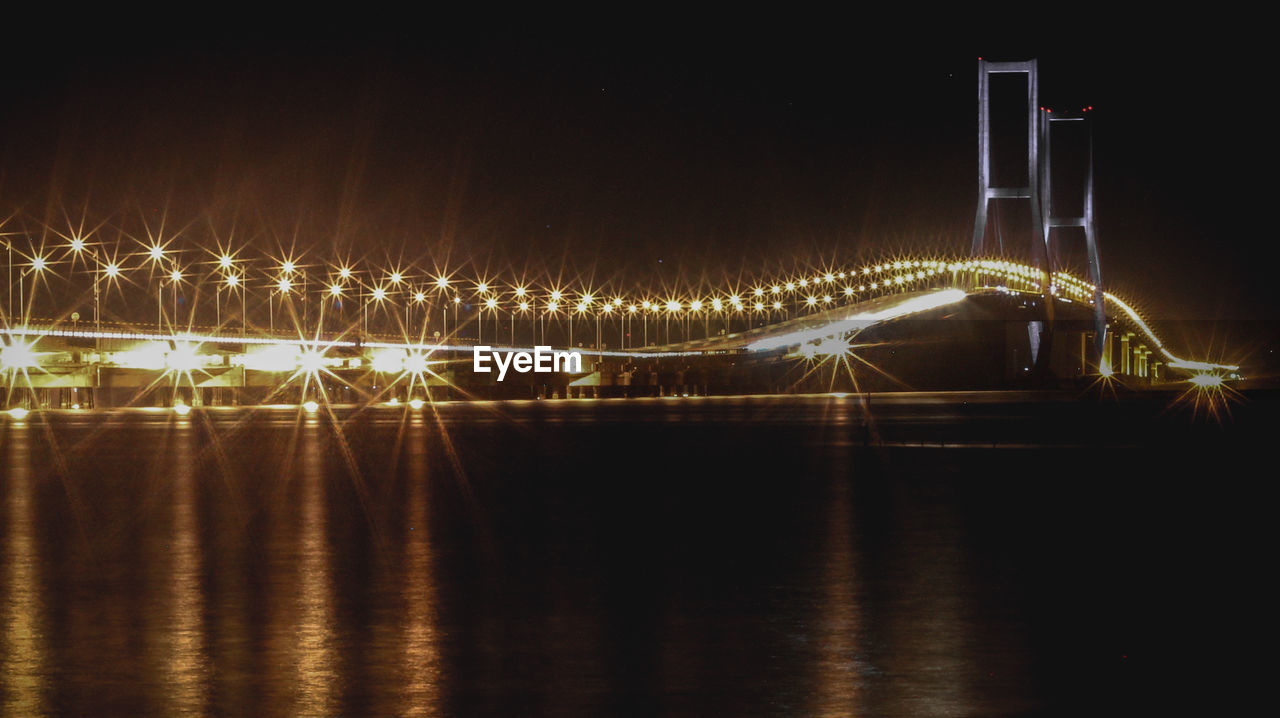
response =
{"points": [[837, 684], [421, 646], [186, 661], [315, 653], [22, 639]]}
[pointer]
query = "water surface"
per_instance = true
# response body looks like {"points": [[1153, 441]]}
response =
{"points": [[933, 555]]}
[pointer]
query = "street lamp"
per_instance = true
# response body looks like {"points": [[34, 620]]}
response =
{"points": [[175, 278], [37, 266], [233, 283], [284, 286]]}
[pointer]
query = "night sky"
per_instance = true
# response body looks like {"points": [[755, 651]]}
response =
{"points": [[648, 151]]}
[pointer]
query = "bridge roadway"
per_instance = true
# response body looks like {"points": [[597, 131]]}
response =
{"points": [[52, 365]]}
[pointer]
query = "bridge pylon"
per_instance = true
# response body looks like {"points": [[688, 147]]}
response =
{"points": [[1038, 189], [1084, 220]]}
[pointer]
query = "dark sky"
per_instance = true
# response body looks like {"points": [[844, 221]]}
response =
{"points": [[714, 148]]}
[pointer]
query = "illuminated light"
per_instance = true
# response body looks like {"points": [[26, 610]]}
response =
{"points": [[1197, 365], [828, 277], [482, 287], [225, 261], [758, 292], [552, 306], [442, 282], [335, 289], [555, 295], [491, 303], [1105, 370], [379, 294], [396, 278], [153, 355], [181, 409], [18, 413], [833, 346], [524, 306], [77, 245], [393, 402], [310, 406], [311, 361], [759, 306], [232, 280], [156, 252], [848, 291], [857, 322], [804, 282], [345, 272], [38, 264], [389, 361], [775, 289], [696, 305], [716, 305], [520, 291], [582, 307], [673, 306], [175, 276], [288, 267], [811, 300], [808, 351], [586, 299], [416, 403], [791, 286], [415, 362], [420, 297], [840, 275], [617, 301], [1206, 381], [182, 358], [631, 308], [777, 305], [284, 285], [608, 308], [647, 304], [17, 356], [273, 358]]}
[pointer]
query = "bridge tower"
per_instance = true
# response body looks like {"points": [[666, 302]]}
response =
{"points": [[1038, 188], [1084, 220]]}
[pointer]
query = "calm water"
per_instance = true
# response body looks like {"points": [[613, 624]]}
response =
{"points": [[761, 556]]}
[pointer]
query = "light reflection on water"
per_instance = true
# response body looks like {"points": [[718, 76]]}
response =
{"points": [[421, 660], [22, 661], [316, 676], [185, 662], [738, 557]]}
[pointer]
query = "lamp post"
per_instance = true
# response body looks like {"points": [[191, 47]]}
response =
{"points": [[175, 278], [335, 297], [419, 298], [38, 264], [8, 307], [491, 304], [520, 303]]}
